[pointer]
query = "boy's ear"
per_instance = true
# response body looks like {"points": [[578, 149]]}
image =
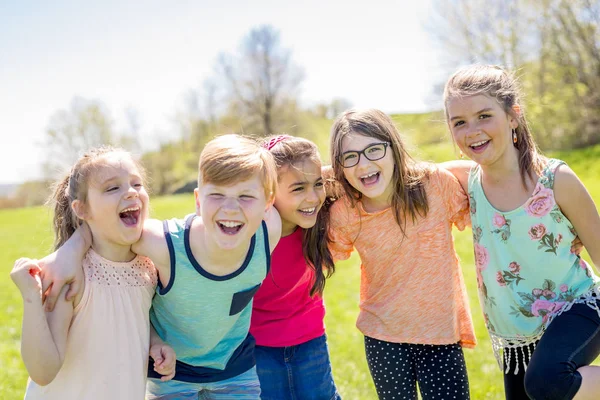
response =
{"points": [[79, 209], [270, 203], [197, 200]]}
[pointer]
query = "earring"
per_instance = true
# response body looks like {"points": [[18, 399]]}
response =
{"points": [[514, 135], [461, 155]]}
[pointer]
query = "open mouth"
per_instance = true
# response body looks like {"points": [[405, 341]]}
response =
{"points": [[230, 227], [130, 216], [479, 146], [370, 179], [308, 212]]}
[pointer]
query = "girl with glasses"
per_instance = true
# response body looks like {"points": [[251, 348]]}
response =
{"points": [[398, 214]]}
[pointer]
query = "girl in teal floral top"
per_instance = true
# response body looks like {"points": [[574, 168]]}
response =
{"points": [[541, 302]]}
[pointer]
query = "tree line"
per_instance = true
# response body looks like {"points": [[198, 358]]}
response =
{"points": [[553, 45]]}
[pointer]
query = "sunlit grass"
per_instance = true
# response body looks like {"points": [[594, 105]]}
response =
{"points": [[26, 232]]}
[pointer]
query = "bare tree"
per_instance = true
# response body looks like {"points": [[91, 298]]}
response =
{"points": [[85, 124], [555, 46], [261, 80], [491, 31]]}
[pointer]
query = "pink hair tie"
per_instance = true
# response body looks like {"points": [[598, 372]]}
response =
{"points": [[273, 141]]}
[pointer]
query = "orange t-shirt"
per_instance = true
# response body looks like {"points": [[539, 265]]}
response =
{"points": [[412, 289]]}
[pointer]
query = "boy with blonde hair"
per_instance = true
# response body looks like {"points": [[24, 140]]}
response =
{"points": [[210, 265]]}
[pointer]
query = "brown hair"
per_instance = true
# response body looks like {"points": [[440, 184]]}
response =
{"points": [[74, 186], [289, 151], [497, 83], [409, 196], [230, 159]]}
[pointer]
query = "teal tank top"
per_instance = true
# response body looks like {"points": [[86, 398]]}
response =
{"points": [[204, 317], [526, 273]]}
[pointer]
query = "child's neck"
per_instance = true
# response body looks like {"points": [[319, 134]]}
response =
{"points": [[213, 258], [505, 169], [374, 205], [113, 252], [287, 228]]}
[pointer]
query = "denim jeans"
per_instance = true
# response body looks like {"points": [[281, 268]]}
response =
{"points": [[571, 341], [301, 372], [242, 387]]}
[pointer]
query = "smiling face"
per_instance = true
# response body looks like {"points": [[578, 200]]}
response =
{"points": [[300, 195], [231, 214], [371, 178], [481, 128], [116, 204]]}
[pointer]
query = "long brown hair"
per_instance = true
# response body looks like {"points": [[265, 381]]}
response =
{"points": [[497, 83], [74, 186], [290, 151], [408, 197]]}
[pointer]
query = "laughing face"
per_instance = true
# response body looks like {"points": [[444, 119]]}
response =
{"points": [[481, 128], [372, 178], [300, 195], [116, 205], [232, 214]]}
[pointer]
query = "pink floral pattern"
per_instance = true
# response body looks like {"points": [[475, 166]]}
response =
{"points": [[541, 202]]}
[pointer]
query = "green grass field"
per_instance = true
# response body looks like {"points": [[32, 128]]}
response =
{"points": [[26, 232]]}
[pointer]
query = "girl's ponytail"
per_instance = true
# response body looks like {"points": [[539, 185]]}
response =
{"points": [[65, 221]]}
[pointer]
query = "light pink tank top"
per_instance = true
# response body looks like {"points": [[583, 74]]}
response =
{"points": [[108, 343]]}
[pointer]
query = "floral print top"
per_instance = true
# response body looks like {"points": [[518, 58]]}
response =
{"points": [[526, 273]]}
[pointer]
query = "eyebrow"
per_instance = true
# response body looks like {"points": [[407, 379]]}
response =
{"points": [[478, 112], [302, 183], [369, 145]]}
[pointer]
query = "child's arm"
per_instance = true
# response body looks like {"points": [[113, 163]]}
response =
{"points": [[578, 206], [163, 355], [153, 245], [273, 221], [60, 268], [460, 169], [44, 335]]}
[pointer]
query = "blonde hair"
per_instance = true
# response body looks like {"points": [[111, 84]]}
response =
{"points": [[230, 159], [497, 83], [409, 196], [74, 186]]}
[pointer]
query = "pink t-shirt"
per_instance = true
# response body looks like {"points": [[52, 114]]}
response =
{"points": [[283, 313]]}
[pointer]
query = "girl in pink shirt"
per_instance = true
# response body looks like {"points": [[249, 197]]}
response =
{"points": [[292, 360], [398, 214], [97, 345]]}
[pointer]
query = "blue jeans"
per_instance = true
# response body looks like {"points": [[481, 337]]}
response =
{"points": [[301, 372], [242, 387], [570, 342]]}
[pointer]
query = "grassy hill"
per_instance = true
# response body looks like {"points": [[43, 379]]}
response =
{"points": [[26, 232]]}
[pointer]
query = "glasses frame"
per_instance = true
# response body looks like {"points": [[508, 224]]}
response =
{"points": [[363, 153]]}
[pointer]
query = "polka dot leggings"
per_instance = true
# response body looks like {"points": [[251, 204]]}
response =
{"points": [[396, 368]]}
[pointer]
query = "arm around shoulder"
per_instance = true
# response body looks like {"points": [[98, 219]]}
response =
{"points": [[153, 244], [578, 206], [273, 221], [460, 169]]}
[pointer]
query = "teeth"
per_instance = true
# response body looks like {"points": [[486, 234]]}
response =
{"points": [[131, 209], [478, 143], [369, 175], [230, 224], [308, 210]]}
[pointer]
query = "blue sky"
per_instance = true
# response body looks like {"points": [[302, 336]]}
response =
{"points": [[147, 54]]}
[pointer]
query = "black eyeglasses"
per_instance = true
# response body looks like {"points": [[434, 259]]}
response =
{"points": [[373, 152]]}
